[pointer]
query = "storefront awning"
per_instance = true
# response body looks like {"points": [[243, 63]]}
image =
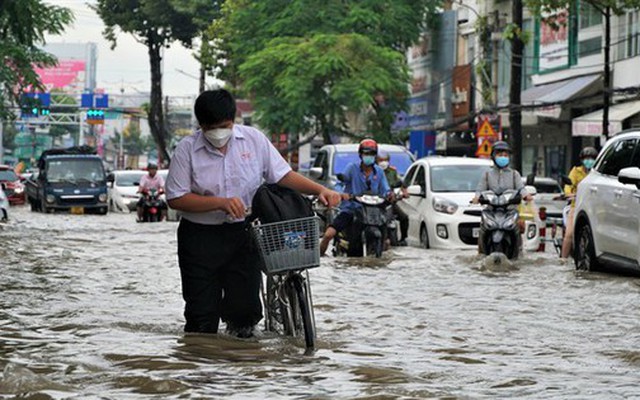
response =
{"points": [[591, 124], [558, 92]]}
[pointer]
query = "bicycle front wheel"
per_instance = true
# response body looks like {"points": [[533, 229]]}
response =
{"points": [[304, 308]]}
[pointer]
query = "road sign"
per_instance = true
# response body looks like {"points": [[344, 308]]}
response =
{"points": [[484, 148], [486, 130]]}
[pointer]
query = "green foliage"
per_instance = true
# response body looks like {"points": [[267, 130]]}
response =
{"points": [[23, 26], [298, 82], [307, 63]]}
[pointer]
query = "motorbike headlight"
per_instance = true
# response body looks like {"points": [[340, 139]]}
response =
{"points": [[102, 197], [444, 206], [488, 222], [511, 222]]}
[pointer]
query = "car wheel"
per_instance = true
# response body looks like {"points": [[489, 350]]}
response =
{"points": [[585, 254], [424, 237]]}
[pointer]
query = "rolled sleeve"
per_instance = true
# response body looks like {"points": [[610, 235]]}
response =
{"points": [[179, 177], [274, 165]]}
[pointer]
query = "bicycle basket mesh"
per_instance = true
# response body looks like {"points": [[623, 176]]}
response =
{"points": [[288, 245]]}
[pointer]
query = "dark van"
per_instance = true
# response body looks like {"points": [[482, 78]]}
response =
{"points": [[70, 179]]}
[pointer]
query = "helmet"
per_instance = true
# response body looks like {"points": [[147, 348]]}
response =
{"points": [[368, 146], [588, 152], [152, 166], [500, 146]]}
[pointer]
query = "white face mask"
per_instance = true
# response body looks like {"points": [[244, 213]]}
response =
{"points": [[218, 137], [384, 164]]}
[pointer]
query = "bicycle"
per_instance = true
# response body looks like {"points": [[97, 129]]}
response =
{"points": [[288, 249]]}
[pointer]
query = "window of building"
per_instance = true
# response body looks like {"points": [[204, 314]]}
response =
{"points": [[589, 16], [633, 31], [590, 47]]}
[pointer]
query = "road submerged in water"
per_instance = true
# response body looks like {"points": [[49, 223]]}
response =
{"points": [[91, 308]]}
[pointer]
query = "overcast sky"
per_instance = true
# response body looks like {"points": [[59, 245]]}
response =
{"points": [[127, 66]]}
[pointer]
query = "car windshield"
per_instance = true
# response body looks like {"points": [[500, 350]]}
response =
{"points": [[128, 179], [75, 170], [8, 175], [398, 159], [456, 178]]}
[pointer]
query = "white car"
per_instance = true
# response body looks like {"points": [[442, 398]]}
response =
{"points": [[607, 215], [548, 195], [440, 189], [123, 189], [439, 209]]}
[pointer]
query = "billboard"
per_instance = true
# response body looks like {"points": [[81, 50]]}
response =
{"points": [[553, 46], [69, 75]]}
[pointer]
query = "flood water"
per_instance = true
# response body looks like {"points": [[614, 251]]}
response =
{"points": [[91, 308]]}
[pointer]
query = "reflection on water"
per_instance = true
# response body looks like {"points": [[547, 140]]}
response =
{"points": [[91, 308]]}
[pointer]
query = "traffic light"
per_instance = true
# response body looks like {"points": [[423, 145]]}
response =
{"points": [[95, 116], [44, 111]]}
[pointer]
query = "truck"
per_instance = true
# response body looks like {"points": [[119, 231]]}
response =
{"points": [[71, 179]]}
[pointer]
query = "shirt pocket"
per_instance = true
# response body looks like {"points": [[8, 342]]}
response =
{"points": [[248, 174]]}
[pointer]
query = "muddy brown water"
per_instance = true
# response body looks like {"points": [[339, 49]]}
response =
{"points": [[90, 308]]}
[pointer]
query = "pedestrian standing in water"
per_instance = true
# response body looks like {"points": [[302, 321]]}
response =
{"points": [[212, 179]]}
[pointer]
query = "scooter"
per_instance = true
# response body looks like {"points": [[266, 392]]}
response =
{"points": [[152, 207], [499, 230], [368, 232]]}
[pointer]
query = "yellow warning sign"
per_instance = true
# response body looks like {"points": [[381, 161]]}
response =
{"points": [[486, 130], [484, 149]]}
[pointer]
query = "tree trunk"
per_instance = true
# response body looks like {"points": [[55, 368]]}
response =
{"points": [[515, 110], [606, 97], [156, 113]]}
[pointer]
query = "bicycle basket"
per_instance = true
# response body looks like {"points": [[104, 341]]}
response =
{"points": [[288, 245]]}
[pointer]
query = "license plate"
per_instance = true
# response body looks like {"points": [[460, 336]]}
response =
{"points": [[475, 232], [77, 210]]}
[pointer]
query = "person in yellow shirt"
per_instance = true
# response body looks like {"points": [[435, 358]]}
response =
{"points": [[578, 173]]}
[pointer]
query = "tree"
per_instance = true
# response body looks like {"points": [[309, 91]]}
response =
{"points": [[606, 8], [23, 26], [156, 24], [301, 63]]}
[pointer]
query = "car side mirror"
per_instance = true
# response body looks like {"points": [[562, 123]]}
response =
{"points": [[111, 178], [416, 190], [341, 177], [630, 176], [315, 172], [530, 179]]}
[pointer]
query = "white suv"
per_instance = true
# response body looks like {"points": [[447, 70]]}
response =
{"points": [[607, 222]]}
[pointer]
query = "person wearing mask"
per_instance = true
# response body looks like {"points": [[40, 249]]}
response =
{"points": [[213, 177], [576, 175], [150, 181], [393, 178], [500, 177], [358, 178]]}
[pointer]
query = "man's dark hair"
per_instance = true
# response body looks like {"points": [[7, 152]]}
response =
{"points": [[215, 106]]}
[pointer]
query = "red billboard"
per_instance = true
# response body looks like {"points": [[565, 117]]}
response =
{"points": [[69, 75]]}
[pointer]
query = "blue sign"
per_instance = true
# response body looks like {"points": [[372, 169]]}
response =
{"points": [[101, 101], [86, 101], [422, 143], [39, 99]]}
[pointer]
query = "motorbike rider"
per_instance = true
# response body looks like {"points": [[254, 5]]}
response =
{"points": [[358, 178], [577, 174], [393, 178], [500, 178], [148, 182]]}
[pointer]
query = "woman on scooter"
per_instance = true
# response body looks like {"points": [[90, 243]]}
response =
{"points": [[578, 173], [358, 178], [500, 177]]}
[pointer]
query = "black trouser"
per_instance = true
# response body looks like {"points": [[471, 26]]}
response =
{"points": [[403, 218], [220, 276]]}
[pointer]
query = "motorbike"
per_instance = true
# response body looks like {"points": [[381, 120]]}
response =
{"points": [[152, 206], [4, 205], [368, 232], [499, 230], [393, 225]]}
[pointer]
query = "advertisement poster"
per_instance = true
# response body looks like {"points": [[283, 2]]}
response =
{"points": [[69, 75]]}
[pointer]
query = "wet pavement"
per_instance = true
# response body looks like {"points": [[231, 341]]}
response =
{"points": [[90, 308]]}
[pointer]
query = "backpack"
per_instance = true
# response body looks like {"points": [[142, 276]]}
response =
{"points": [[273, 203]]}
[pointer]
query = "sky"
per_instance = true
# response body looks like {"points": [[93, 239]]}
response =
{"points": [[127, 66]]}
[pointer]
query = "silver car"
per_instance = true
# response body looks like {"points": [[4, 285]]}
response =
{"points": [[548, 195]]}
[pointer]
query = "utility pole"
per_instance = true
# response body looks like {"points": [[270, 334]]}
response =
{"points": [[606, 97], [515, 110]]}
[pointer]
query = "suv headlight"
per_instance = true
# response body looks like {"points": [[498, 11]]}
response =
{"points": [[102, 197], [50, 198], [444, 206]]}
